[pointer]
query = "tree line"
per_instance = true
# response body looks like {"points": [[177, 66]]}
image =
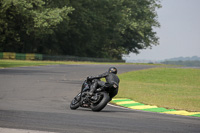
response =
{"points": [[188, 63], [89, 28]]}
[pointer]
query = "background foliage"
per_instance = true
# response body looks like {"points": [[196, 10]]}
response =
{"points": [[89, 28]]}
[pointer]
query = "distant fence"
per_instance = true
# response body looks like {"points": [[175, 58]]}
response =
{"points": [[32, 56], [20, 56]]}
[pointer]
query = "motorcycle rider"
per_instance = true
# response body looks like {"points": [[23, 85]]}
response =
{"points": [[111, 85]]}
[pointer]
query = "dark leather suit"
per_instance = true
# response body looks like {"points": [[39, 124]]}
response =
{"points": [[111, 85]]}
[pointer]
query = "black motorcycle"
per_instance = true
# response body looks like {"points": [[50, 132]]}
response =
{"points": [[96, 102]]}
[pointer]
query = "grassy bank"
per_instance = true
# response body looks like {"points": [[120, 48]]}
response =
{"points": [[165, 87]]}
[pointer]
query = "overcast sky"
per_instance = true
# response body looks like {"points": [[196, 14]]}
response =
{"points": [[179, 32]]}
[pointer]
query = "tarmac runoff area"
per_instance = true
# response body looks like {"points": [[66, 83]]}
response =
{"points": [[128, 103], [9, 130]]}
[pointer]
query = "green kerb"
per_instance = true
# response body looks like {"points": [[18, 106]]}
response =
{"points": [[159, 110], [131, 104], [197, 115]]}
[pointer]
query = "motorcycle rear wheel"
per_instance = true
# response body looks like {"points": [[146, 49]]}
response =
{"points": [[103, 102]]}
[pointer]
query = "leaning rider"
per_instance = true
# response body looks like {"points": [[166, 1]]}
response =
{"points": [[111, 85]]}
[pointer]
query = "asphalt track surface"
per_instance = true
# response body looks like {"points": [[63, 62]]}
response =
{"points": [[38, 98]]}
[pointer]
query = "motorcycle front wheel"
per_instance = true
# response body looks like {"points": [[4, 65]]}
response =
{"points": [[75, 103], [102, 102]]}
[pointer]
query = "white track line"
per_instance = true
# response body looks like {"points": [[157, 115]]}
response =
{"points": [[10, 130]]}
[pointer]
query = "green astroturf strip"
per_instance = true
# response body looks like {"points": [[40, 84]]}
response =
{"points": [[121, 100], [197, 115], [131, 104], [159, 110]]}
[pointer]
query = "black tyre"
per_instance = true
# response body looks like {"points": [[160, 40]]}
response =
{"points": [[102, 102], [75, 102]]}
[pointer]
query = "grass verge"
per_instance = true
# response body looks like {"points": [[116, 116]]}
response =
{"points": [[165, 87], [20, 63]]}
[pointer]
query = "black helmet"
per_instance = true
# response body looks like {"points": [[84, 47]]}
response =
{"points": [[112, 70]]}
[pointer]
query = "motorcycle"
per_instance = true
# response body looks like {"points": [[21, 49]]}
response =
{"points": [[96, 102]]}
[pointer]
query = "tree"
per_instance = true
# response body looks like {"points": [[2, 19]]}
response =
{"points": [[112, 27], [90, 28], [24, 23], [141, 19]]}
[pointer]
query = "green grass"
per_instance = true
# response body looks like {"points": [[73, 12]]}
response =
{"points": [[165, 87], [20, 63]]}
